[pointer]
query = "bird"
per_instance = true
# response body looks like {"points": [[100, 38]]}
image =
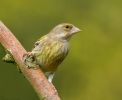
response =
{"points": [[50, 50]]}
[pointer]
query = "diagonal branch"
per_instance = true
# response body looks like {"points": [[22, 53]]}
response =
{"points": [[37, 79]]}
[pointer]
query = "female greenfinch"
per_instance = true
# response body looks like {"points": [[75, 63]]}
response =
{"points": [[50, 50]]}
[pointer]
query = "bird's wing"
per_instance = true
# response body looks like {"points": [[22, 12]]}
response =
{"points": [[39, 41]]}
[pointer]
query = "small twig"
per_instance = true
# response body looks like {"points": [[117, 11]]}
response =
{"points": [[37, 79]]}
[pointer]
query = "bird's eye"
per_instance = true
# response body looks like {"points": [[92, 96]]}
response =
{"points": [[67, 26]]}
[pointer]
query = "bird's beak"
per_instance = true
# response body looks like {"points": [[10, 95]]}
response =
{"points": [[75, 30]]}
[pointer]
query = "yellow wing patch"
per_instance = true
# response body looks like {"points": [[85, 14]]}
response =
{"points": [[39, 40], [43, 37]]}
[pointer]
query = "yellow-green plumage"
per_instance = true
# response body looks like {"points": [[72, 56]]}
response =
{"points": [[50, 54], [50, 50]]}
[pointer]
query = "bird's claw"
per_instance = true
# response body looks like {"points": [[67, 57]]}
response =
{"points": [[30, 60]]}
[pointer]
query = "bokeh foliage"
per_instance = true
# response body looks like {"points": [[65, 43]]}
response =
{"points": [[93, 68]]}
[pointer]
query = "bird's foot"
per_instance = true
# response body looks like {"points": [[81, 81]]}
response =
{"points": [[30, 60]]}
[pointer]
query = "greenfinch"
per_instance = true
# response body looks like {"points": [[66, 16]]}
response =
{"points": [[50, 50]]}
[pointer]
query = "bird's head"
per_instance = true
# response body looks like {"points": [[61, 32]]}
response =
{"points": [[64, 31]]}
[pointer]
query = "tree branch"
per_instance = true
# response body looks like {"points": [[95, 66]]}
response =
{"points": [[37, 79]]}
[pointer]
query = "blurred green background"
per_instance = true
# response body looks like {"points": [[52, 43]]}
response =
{"points": [[93, 68]]}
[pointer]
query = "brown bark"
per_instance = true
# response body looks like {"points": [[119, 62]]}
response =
{"points": [[35, 77]]}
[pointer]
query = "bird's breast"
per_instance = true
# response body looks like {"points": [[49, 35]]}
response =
{"points": [[52, 55]]}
